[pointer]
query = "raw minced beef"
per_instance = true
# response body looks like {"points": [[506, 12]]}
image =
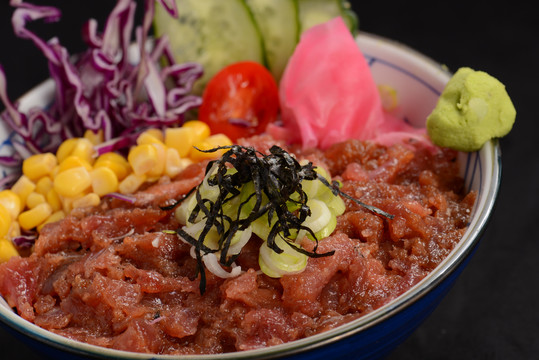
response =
{"points": [[110, 276]]}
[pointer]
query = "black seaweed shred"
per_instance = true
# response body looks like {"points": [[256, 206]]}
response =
{"points": [[277, 177]]}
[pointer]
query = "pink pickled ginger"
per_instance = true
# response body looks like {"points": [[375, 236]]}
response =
{"points": [[328, 95]]}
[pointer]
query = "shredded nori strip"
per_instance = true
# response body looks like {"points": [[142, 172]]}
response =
{"points": [[277, 176]]}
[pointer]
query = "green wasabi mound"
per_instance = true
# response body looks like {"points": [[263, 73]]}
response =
{"points": [[474, 107]]}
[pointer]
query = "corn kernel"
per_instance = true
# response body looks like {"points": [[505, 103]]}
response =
{"points": [[159, 168], [34, 199], [181, 139], [55, 216], [7, 250], [53, 199], [95, 138], [65, 149], [157, 133], [14, 230], [91, 199], [5, 221], [55, 171], [115, 162], [67, 202], [11, 202], [73, 161], [23, 187], [104, 181], [39, 165], [43, 185], [210, 142], [131, 183], [174, 164], [29, 219], [72, 182], [200, 129], [142, 158], [84, 149], [149, 137]]}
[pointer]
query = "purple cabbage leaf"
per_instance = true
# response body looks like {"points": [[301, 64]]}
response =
{"points": [[116, 86]]}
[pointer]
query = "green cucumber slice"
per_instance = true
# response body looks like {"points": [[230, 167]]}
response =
{"points": [[214, 33], [278, 22], [314, 12]]}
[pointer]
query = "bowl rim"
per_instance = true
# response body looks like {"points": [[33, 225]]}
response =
{"points": [[465, 246]]}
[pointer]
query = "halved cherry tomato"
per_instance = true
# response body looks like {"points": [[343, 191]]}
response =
{"points": [[240, 100]]}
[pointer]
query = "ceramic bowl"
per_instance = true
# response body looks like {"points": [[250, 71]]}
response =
{"points": [[418, 82]]}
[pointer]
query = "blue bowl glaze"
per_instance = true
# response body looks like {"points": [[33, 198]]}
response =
{"points": [[418, 81]]}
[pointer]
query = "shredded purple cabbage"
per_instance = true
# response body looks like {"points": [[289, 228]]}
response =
{"points": [[25, 240], [101, 89]]}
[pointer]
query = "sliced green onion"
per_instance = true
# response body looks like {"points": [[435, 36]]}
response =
{"points": [[273, 196], [274, 264], [326, 231], [320, 215], [335, 203]]}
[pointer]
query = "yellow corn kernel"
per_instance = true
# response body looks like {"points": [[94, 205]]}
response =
{"points": [[95, 138], [72, 182], [11, 202], [84, 149], [43, 185], [157, 133], [91, 199], [73, 161], [67, 202], [55, 171], [7, 250], [39, 165], [23, 187], [54, 200], [210, 142], [159, 168], [34, 199], [142, 158], [55, 216], [115, 162], [150, 137], [29, 219], [174, 163], [65, 149], [14, 230], [200, 129], [5, 221], [131, 183], [104, 181], [181, 139]]}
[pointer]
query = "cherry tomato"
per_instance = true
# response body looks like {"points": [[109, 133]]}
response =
{"points": [[240, 100]]}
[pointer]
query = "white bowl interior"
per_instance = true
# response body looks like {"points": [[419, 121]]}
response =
{"points": [[414, 77]]}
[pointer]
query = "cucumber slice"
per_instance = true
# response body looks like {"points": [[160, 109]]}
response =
{"points": [[314, 12], [350, 17], [278, 22], [214, 33]]}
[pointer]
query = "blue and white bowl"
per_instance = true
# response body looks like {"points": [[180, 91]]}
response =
{"points": [[418, 82]]}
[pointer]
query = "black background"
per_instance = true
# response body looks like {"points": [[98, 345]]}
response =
{"points": [[492, 312]]}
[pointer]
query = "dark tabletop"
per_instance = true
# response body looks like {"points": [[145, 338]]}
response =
{"points": [[492, 312]]}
